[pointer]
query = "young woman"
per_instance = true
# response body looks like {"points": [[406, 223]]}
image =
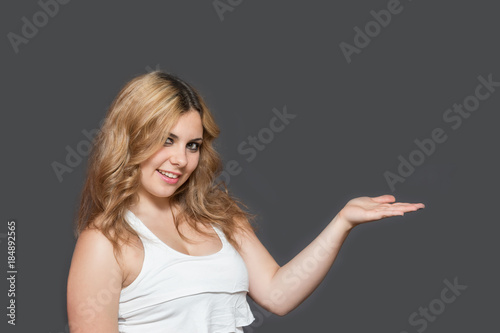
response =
{"points": [[162, 245]]}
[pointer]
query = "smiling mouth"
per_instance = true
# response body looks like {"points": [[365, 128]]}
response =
{"points": [[168, 174]]}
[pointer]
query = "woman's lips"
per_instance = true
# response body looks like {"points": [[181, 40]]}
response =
{"points": [[168, 179]]}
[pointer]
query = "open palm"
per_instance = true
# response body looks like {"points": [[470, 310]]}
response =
{"points": [[366, 209]]}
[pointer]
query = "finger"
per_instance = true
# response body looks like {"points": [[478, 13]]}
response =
{"points": [[397, 212], [389, 210], [384, 198], [405, 209], [409, 208], [387, 213], [417, 205]]}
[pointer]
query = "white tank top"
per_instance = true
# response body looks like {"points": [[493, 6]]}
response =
{"points": [[176, 292]]}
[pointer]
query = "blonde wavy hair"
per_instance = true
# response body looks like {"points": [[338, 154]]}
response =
{"points": [[136, 126]]}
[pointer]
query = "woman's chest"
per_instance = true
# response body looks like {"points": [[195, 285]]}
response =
{"points": [[200, 245]]}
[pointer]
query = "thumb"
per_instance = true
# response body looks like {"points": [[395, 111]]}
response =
{"points": [[384, 198]]}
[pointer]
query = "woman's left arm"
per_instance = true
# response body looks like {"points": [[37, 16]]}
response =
{"points": [[281, 289]]}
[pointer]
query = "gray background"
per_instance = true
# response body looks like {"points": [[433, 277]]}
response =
{"points": [[352, 122]]}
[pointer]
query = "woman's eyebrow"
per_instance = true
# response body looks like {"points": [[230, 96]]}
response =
{"points": [[176, 137]]}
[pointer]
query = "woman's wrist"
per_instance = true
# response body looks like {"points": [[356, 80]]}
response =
{"points": [[342, 223]]}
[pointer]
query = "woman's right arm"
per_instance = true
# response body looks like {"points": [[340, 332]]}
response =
{"points": [[94, 285]]}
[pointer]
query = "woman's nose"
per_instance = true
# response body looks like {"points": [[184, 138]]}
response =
{"points": [[179, 157]]}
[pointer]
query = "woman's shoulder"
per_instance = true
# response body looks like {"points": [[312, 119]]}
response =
{"points": [[93, 243], [94, 257], [242, 230], [98, 242], [93, 234], [93, 269], [97, 235]]}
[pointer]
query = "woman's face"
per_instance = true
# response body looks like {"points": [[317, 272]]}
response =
{"points": [[178, 158]]}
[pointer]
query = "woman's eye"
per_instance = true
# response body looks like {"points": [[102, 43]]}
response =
{"points": [[194, 146]]}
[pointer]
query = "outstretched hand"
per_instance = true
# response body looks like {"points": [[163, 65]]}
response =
{"points": [[366, 209]]}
